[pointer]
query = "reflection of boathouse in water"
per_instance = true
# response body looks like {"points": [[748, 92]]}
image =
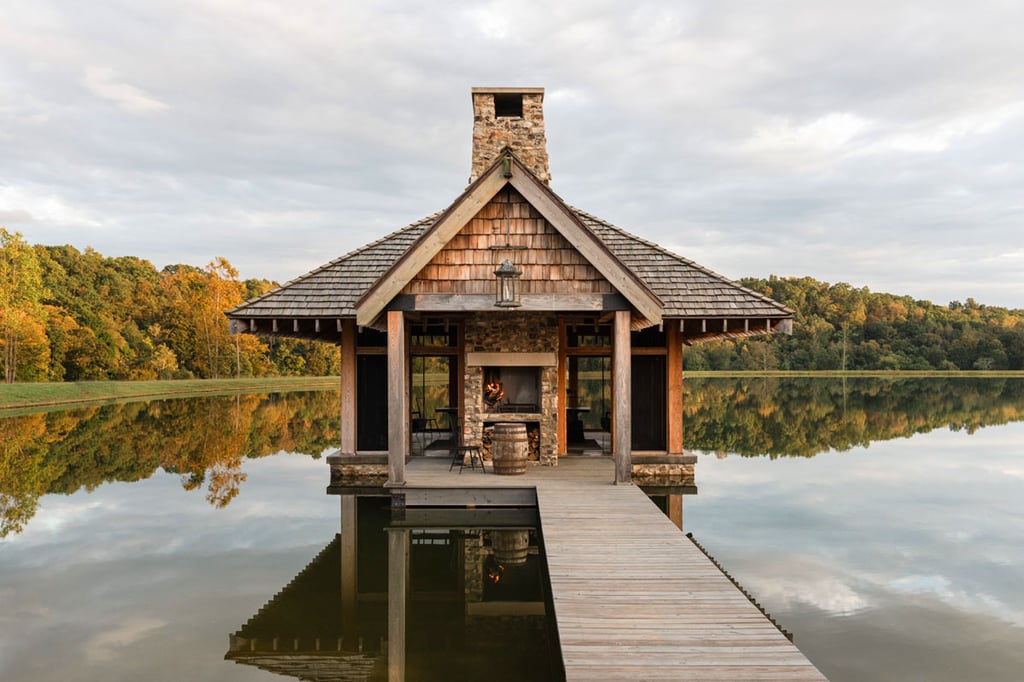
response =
{"points": [[510, 306], [470, 584]]}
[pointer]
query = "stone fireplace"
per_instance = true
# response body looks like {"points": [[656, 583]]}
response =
{"points": [[511, 376]]}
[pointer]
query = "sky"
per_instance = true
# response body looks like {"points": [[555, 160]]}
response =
{"points": [[877, 143]]}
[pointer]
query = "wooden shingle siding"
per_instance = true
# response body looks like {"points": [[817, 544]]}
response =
{"points": [[549, 263]]}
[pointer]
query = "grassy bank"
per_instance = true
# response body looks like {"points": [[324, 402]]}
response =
{"points": [[38, 397], [31, 397]]}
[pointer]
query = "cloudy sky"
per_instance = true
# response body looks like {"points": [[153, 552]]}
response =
{"points": [[876, 142]]}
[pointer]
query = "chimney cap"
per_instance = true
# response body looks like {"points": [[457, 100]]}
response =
{"points": [[508, 91]]}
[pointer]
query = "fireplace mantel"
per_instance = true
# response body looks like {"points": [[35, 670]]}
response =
{"points": [[489, 417], [512, 359]]}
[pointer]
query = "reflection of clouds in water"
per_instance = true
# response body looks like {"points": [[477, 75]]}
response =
{"points": [[791, 581], [106, 645], [131, 573], [1011, 471], [65, 511], [945, 591], [823, 593], [910, 526]]}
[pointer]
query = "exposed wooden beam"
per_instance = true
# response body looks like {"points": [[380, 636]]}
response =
{"points": [[436, 303], [622, 393], [674, 364], [349, 407], [563, 395], [398, 399]]}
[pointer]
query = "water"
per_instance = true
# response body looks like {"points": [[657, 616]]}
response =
{"points": [[896, 557], [880, 522]]}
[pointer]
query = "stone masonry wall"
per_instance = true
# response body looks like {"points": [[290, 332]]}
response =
{"points": [[524, 135], [513, 332]]}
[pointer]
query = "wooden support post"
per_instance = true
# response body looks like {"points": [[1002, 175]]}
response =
{"points": [[348, 387], [674, 362], [622, 387], [563, 432], [675, 510], [349, 567], [398, 399], [398, 586]]}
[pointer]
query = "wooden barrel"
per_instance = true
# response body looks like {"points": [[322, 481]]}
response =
{"points": [[511, 547], [509, 449]]}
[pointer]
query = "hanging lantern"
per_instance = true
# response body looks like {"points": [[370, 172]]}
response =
{"points": [[507, 293]]}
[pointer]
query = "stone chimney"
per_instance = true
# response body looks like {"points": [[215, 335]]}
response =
{"points": [[509, 117]]}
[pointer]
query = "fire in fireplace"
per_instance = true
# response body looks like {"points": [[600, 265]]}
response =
{"points": [[512, 389]]}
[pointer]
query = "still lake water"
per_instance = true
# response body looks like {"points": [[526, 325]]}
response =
{"points": [[879, 521]]}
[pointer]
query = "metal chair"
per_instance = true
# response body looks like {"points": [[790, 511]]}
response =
{"points": [[422, 429], [461, 452]]}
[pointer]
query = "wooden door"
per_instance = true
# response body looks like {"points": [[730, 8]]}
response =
{"points": [[372, 403], [649, 402]]}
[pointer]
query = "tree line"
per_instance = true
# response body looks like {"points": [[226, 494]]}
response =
{"points": [[839, 327], [203, 441], [206, 441], [69, 315], [805, 416]]}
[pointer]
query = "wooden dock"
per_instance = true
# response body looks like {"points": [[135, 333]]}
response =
{"points": [[634, 598]]}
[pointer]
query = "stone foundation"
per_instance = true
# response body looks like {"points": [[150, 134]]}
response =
{"points": [[347, 471], [663, 474], [664, 470]]}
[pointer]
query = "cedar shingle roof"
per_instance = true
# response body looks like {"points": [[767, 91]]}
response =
{"points": [[687, 289], [332, 290]]}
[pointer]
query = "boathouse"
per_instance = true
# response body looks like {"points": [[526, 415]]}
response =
{"points": [[511, 306]]}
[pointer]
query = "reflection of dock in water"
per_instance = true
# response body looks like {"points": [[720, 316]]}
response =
{"points": [[633, 597], [432, 594], [448, 589]]}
